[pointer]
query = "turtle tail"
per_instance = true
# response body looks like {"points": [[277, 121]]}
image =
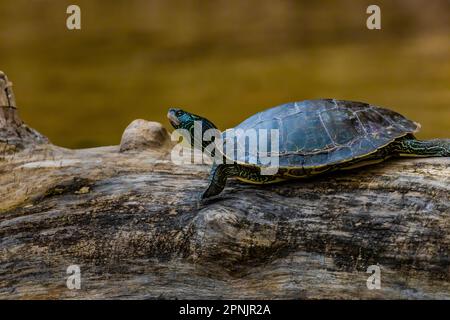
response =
{"points": [[423, 148]]}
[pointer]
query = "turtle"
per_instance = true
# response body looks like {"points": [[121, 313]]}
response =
{"points": [[315, 137]]}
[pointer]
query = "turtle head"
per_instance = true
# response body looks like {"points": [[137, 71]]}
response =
{"points": [[180, 119]]}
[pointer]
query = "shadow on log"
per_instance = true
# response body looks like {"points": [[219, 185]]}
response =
{"points": [[130, 220]]}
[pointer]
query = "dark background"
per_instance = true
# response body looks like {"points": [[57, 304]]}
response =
{"points": [[222, 59]]}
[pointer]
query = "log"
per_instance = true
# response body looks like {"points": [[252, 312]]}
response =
{"points": [[130, 219]]}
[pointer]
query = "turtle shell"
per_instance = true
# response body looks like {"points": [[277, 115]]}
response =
{"points": [[316, 133]]}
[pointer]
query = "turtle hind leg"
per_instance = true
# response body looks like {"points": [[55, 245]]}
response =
{"points": [[423, 148]]}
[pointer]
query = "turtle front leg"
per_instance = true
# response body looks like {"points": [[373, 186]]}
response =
{"points": [[220, 173], [218, 179]]}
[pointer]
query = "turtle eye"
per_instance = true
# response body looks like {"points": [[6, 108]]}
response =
{"points": [[178, 113]]}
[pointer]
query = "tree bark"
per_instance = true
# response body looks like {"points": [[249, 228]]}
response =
{"points": [[130, 219]]}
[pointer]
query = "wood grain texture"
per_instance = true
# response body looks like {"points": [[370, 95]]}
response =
{"points": [[132, 222]]}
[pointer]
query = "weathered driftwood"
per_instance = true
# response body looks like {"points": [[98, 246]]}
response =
{"points": [[131, 220]]}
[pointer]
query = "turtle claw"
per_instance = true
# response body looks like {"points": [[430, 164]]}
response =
{"points": [[209, 192], [201, 199], [207, 195]]}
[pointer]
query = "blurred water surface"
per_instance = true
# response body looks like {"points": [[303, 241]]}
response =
{"points": [[222, 59]]}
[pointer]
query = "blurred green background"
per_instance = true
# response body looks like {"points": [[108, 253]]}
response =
{"points": [[221, 59]]}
